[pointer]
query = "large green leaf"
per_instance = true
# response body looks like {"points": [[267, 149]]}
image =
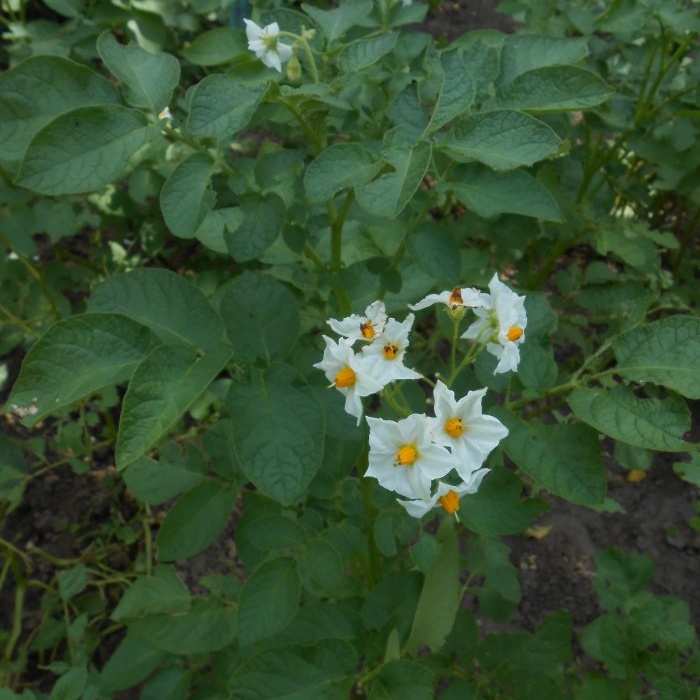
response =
{"points": [[656, 424], [390, 193], [334, 23], [84, 150], [489, 193], [552, 89], [77, 357], [457, 91], [174, 308], [148, 78], [440, 597], [221, 106], [278, 434], [186, 196], [502, 139], [436, 252], [163, 593], [38, 90], [132, 661], [155, 482], [261, 316], [195, 521], [269, 599], [665, 352], [163, 387], [341, 165], [209, 625], [401, 678], [286, 674], [217, 46], [365, 52], [525, 52], [565, 459], [497, 507], [261, 220]]}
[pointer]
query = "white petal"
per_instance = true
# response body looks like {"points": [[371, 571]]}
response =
{"points": [[442, 298]]}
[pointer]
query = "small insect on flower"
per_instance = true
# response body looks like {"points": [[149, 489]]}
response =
{"points": [[457, 298], [367, 327]]}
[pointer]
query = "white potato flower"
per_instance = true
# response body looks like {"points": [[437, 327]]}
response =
{"points": [[385, 355], [348, 373], [367, 327], [459, 297], [447, 496], [403, 457], [461, 426], [265, 43], [504, 312]]}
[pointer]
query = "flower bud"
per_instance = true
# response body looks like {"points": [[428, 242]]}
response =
{"points": [[294, 70]]}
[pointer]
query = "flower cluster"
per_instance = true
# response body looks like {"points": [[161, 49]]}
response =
{"points": [[427, 460], [409, 455], [379, 361]]}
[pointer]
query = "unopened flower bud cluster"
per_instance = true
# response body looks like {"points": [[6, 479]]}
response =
{"points": [[412, 456]]}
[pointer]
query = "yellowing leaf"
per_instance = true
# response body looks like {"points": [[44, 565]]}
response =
{"points": [[538, 531]]}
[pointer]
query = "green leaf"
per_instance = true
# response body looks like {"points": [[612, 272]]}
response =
{"points": [[84, 150], [220, 106], [406, 111], [208, 626], [622, 578], [72, 582], [269, 600], [365, 52], [440, 597], [195, 521], [174, 308], [552, 89], [490, 193], [77, 357], [13, 473], [217, 46], [334, 23], [163, 387], [278, 434], [262, 219], [148, 79], [131, 663], [689, 471], [172, 682], [502, 140], [489, 557], [565, 459], [155, 482], [162, 593], [526, 52], [457, 91], [283, 674], [261, 315], [390, 193], [41, 88], [71, 685], [656, 424], [665, 352], [187, 197], [408, 680], [341, 165], [436, 252], [497, 508]]}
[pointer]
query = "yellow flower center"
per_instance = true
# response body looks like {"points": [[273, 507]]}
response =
{"points": [[456, 297], [269, 41], [406, 456], [345, 378], [514, 333], [454, 427], [391, 350], [450, 501], [367, 330]]}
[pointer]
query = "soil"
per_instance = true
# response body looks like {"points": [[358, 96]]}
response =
{"points": [[556, 570]]}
